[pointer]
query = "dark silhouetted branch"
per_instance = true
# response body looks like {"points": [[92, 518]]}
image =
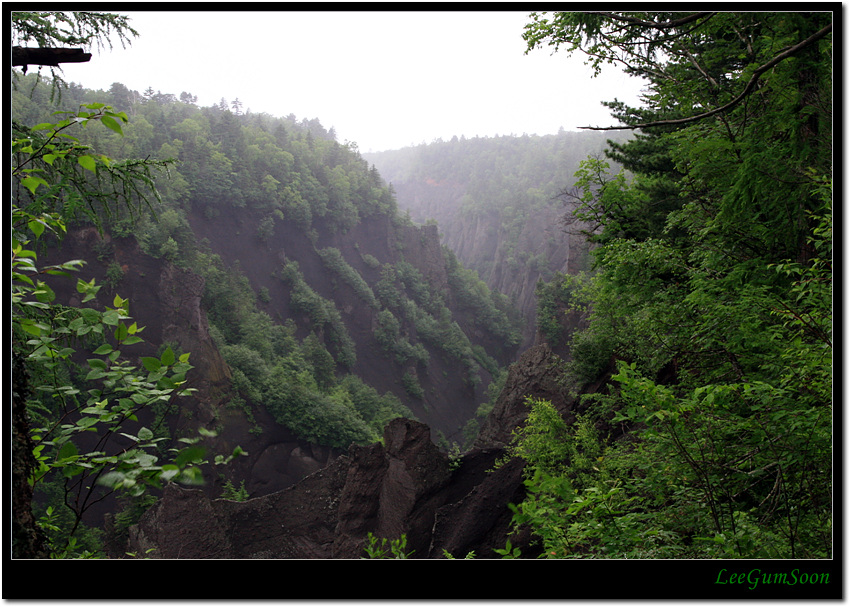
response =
{"points": [[24, 56]]}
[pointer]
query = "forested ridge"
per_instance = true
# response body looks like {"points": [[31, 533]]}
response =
{"points": [[689, 414]]}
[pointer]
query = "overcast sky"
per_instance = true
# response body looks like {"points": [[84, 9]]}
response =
{"points": [[382, 79]]}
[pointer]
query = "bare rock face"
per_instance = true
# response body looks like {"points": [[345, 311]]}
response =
{"points": [[387, 490], [403, 486], [479, 521], [535, 374]]}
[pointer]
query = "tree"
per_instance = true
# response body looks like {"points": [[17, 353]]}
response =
{"points": [[711, 286], [57, 179]]}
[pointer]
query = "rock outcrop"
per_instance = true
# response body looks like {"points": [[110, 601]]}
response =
{"points": [[402, 486], [535, 374]]}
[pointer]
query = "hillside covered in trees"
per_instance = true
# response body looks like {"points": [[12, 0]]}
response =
{"points": [[676, 404], [500, 204], [317, 308]]}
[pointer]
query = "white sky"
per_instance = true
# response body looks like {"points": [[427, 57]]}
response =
{"points": [[382, 79]]}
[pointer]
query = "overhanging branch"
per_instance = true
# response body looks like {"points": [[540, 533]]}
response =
{"points": [[23, 56], [728, 106]]}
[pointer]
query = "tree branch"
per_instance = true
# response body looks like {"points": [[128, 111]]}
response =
{"points": [[24, 56], [653, 24], [723, 108]]}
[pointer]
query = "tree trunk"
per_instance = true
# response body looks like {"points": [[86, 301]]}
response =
{"points": [[28, 541]]}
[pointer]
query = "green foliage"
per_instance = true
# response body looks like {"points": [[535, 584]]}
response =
{"points": [[377, 410], [388, 335], [54, 172], [753, 452], [554, 299], [322, 313], [231, 492], [509, 551], [109, 397], [412, 386], [334, 261], [712, 288], [469, 555], [383, 548], [580, 502], [265, 229], [326, 418], [489, 310]]}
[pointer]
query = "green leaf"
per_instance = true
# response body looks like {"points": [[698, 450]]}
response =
{"points": [[112, 479], [169, 471], [87, 422], [167, 357], [67, 451], [31, 183], [189, 455], [87, 162], [151, 364], [111, 123], [36, 227], [121, 332], [192, 476], [43, 293], [96, 374], [71, 471], [102, 350], [110, 317]]}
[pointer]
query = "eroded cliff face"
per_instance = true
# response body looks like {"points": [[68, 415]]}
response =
{"points": [[402, 487], [311, 501], [167, 301], [448, 400]]}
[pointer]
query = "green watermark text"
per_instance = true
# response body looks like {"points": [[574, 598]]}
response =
{"points": [[755, 577]]}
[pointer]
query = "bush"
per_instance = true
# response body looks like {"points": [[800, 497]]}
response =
{"points": [[591, 352], [412, 386]]}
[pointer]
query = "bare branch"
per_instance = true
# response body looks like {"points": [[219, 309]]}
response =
{"points": [[25, 56]]}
